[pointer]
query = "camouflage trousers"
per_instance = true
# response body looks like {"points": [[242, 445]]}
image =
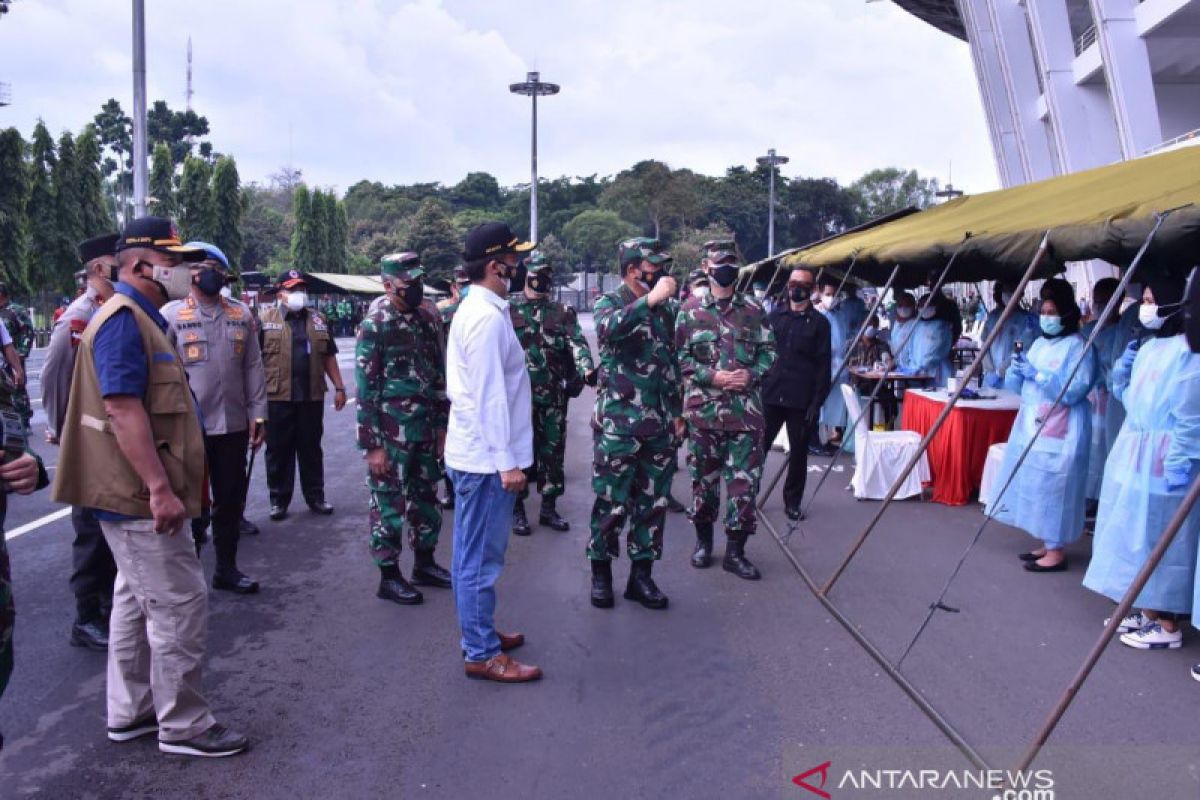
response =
{"points": [[735, 457], [549, 450], [23, 407], [631, 477], [7, 612], [408, 492]]}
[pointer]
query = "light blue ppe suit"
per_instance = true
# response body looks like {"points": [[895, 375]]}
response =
{"points": [[930, 350], [1022, 327], [1101, 398], [1161, 436], [1046, 496]]}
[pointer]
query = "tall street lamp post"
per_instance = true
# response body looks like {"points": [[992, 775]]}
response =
{"points": [[139, 108], [771, 161], [533, 87]]}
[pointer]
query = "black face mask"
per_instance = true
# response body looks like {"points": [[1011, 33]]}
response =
{"points": [[209, 281], [413, 294], [800, 293], [539, 282], [1191, 312], [724, 274], [651, 278]]}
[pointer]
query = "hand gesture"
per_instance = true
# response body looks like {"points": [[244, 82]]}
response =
{"points": [[512, 480], [21, 474], [377, 462], [167, 510], [663, 290]]}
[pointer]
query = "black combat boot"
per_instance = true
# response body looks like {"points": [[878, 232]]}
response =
{"points": [[702, 555], [735, 558], [520, 523], [550, 518], [392, 586], [602, 591], [641, 586], [427, 572]]}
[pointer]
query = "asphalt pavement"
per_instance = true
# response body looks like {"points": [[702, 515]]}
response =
{"points": [[731, 692]]}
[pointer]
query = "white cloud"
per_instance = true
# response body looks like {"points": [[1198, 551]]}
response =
{"points": [[417, 91]]}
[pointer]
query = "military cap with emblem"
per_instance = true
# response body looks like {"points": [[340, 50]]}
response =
{"points": [[404, 266], [643, 248], [156, 233], [97, 247], [292, 278]]}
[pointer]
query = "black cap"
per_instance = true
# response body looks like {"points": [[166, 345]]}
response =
{"points": [[292, 278], [98, 246], [157, 233], [491, 239]]}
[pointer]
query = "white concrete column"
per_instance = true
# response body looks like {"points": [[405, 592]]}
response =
{"points": [[1130, 80], [1081, 122]]}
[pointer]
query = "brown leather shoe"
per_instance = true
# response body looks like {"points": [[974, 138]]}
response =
{"points": [[510, 641], [502, 669]]}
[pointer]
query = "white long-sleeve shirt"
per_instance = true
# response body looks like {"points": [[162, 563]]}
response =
{"points": [[491, 412]]}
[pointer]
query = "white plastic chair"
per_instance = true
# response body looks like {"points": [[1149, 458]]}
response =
{"points": [[880, 457], [991, 471]]}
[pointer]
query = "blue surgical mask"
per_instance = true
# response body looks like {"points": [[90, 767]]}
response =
{"points": [[1051, 325]]}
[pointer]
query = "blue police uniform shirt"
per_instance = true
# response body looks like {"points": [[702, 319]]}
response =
{"points": [[120, 359]]}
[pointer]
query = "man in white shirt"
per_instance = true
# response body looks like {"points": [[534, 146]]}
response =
{"points": [[488, 445]]}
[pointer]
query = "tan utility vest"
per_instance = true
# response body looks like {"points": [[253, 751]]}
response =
{"points": [[93, 472], [277, 353]]}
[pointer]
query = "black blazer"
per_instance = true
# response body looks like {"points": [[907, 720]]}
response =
{"points": [[800, 377]]}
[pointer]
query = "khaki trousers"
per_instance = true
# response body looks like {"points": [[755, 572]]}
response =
{"points": [[157, 632]]}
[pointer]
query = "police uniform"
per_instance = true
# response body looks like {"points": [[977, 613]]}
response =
{"points": [[295, 348], [220, 353], [93, 569], [558, 359], [400, 375], [637, 402]]}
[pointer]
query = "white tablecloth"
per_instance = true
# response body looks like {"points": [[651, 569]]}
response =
{"points": [[1005, 401]]}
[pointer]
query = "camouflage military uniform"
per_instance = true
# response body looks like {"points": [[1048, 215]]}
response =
{"points": [[20, 327], [402, 407], [557, 357], [8, 393], [636, 403], [725, 427]]}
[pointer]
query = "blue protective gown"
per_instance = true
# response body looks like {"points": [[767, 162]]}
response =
{"points": [[1022, 327], [930, 350], [833, 411], [1161, 434], [899, 331], [1046, 497], [1101, 398]]}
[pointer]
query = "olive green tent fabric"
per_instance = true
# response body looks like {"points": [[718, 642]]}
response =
{"points": [[1103, 213]]}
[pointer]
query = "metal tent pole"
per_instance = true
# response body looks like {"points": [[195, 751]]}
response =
{"points": [[1042, 250]]}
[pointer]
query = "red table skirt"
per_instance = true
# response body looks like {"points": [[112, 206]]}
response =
{"points": [[958, 452]]}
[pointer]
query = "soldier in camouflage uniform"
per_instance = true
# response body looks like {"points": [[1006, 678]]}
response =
{"points": [[21, 471], [446, 309], [636, 423], [725, 349], [20, 328], [697, 288], [402, 417], [559, 363]]}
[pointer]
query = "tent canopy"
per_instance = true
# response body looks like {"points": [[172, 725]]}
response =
{"points": [[324, 282], [1103, 213]]}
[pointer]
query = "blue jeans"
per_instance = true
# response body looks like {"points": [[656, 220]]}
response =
{"points": [[482, 521]]}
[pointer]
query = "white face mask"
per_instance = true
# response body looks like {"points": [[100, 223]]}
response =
{"points": [[176, 281], [296, 301], [1148, 316], [226, 292], [928, 312], [829, 302], [759, 294], [700, 292], [903, 312]]}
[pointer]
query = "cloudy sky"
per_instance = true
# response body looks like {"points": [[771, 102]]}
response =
{"points": [[417, 91]]}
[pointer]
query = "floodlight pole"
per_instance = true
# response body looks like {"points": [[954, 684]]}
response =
{"points": [[139, 108], [532, 87], [771, 161]]}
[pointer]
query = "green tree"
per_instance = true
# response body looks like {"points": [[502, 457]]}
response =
{"points": [[41, 212], [887, 190], [652, 195], [340, 239], [96, 216], [14, 185], [478, 190], [303, 257], [594, 235], [68, 204], [194, 200], [811, 209], [176, 129], [162, 182], [559, 257], [115, 132], [266, 230], [329, 234], [433, 236], [227, 206], [688, 247]]}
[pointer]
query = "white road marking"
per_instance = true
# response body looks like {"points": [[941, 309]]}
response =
{"points": [[37, 523]]}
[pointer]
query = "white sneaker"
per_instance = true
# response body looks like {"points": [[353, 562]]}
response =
{"points": [[1196, 672], [1153, 637], [1134, 622]]}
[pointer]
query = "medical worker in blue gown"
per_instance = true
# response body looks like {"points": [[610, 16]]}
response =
{"points": [[1046, 496], [1150, 466], [840, 317], [1021, 327], [902, 323], [1108, 348], [929, 351]]}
